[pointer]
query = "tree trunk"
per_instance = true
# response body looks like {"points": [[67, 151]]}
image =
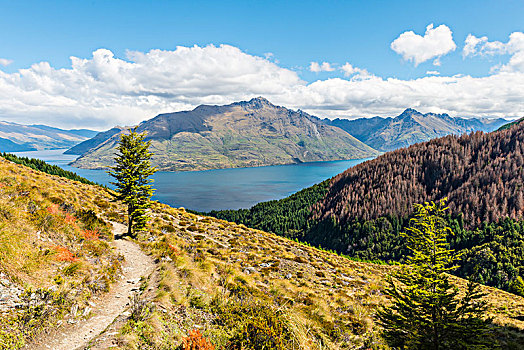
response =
{"points": [[129, 221]]}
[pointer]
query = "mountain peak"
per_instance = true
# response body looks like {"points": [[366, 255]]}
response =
{"points": [[256, 102], [259, 99], [409, 112]]}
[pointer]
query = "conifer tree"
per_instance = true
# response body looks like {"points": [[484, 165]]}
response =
{"points": [[427, 311], [133, 185]]}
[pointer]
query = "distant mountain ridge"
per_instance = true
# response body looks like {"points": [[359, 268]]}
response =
{"points": [[95, 141], [20, 138], [256, 132], [410, 127], [241, 134]]}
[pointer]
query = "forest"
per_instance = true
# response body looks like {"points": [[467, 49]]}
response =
{"points": [[361, 211], [40, 165]]}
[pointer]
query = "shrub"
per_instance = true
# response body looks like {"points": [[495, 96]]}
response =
{"points": [[517, 286], [90, 221], [91, 234], [64, 254], [264, 329], [168, 228], [254, 325], [196, 341]]}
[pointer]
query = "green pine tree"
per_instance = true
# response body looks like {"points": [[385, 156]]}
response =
{"points": [[133, 185], [427, 310], [517, 286]]}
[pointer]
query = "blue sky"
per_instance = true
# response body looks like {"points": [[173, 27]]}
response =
{"points": [[295, 33]]}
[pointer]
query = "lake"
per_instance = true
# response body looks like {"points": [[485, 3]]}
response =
{"points": [[218, 189]]}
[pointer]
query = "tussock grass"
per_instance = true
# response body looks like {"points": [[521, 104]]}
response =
{"points": [[52, 248]]}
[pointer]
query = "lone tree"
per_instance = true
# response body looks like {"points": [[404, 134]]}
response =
{"points": [[427, 311], [132, 171]]}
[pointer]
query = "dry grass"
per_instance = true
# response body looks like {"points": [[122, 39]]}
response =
{"points": [[46, 250], [328, 300]]}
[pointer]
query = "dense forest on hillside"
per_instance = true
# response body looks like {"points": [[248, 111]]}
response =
{"points": [[364, 209], [481, 174], [38, 164]]}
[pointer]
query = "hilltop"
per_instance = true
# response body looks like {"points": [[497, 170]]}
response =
{"points": [[19, 138], [210, 274], [242, 134], [410, 127]]}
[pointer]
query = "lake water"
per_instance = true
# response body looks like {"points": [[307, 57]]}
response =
{"points": [[218, 189]]}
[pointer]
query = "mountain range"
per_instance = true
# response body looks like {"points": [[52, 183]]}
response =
{"points": [[19, 138], [242, 134], [410, 127], [256, 133]]}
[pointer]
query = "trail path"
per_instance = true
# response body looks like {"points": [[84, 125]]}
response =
{"points": [[109, 306]]}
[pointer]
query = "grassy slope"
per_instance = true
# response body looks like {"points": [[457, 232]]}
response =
{"points": [[214, 275], [45, 249], [205, 261]]}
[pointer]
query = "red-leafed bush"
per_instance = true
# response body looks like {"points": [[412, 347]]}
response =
{"points": [[53, 209], [196, 341], [91, 234], [64, 254], [69, 219]]}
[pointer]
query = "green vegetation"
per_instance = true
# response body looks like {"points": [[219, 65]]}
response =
{"points": [[237, 286], [361, 212], [132, 172], [509, 125], [494, 251], [427, 311], [38, 164]]}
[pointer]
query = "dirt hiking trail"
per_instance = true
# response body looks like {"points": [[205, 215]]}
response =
{"points": [[109, 306]]}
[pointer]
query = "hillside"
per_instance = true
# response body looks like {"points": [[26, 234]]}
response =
{"points": [[95, 141], [19, 138], [361, 211], [410, 127], [210, 274], [242, 134], [509, 125], [55, 253]]}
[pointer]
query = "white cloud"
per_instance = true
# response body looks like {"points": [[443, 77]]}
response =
{"points": [[103, 90], [358, 73], [324, 67], [432, 72], [5, 62], [107, 90], [435, 43], [475, 46], [481, 46]]}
